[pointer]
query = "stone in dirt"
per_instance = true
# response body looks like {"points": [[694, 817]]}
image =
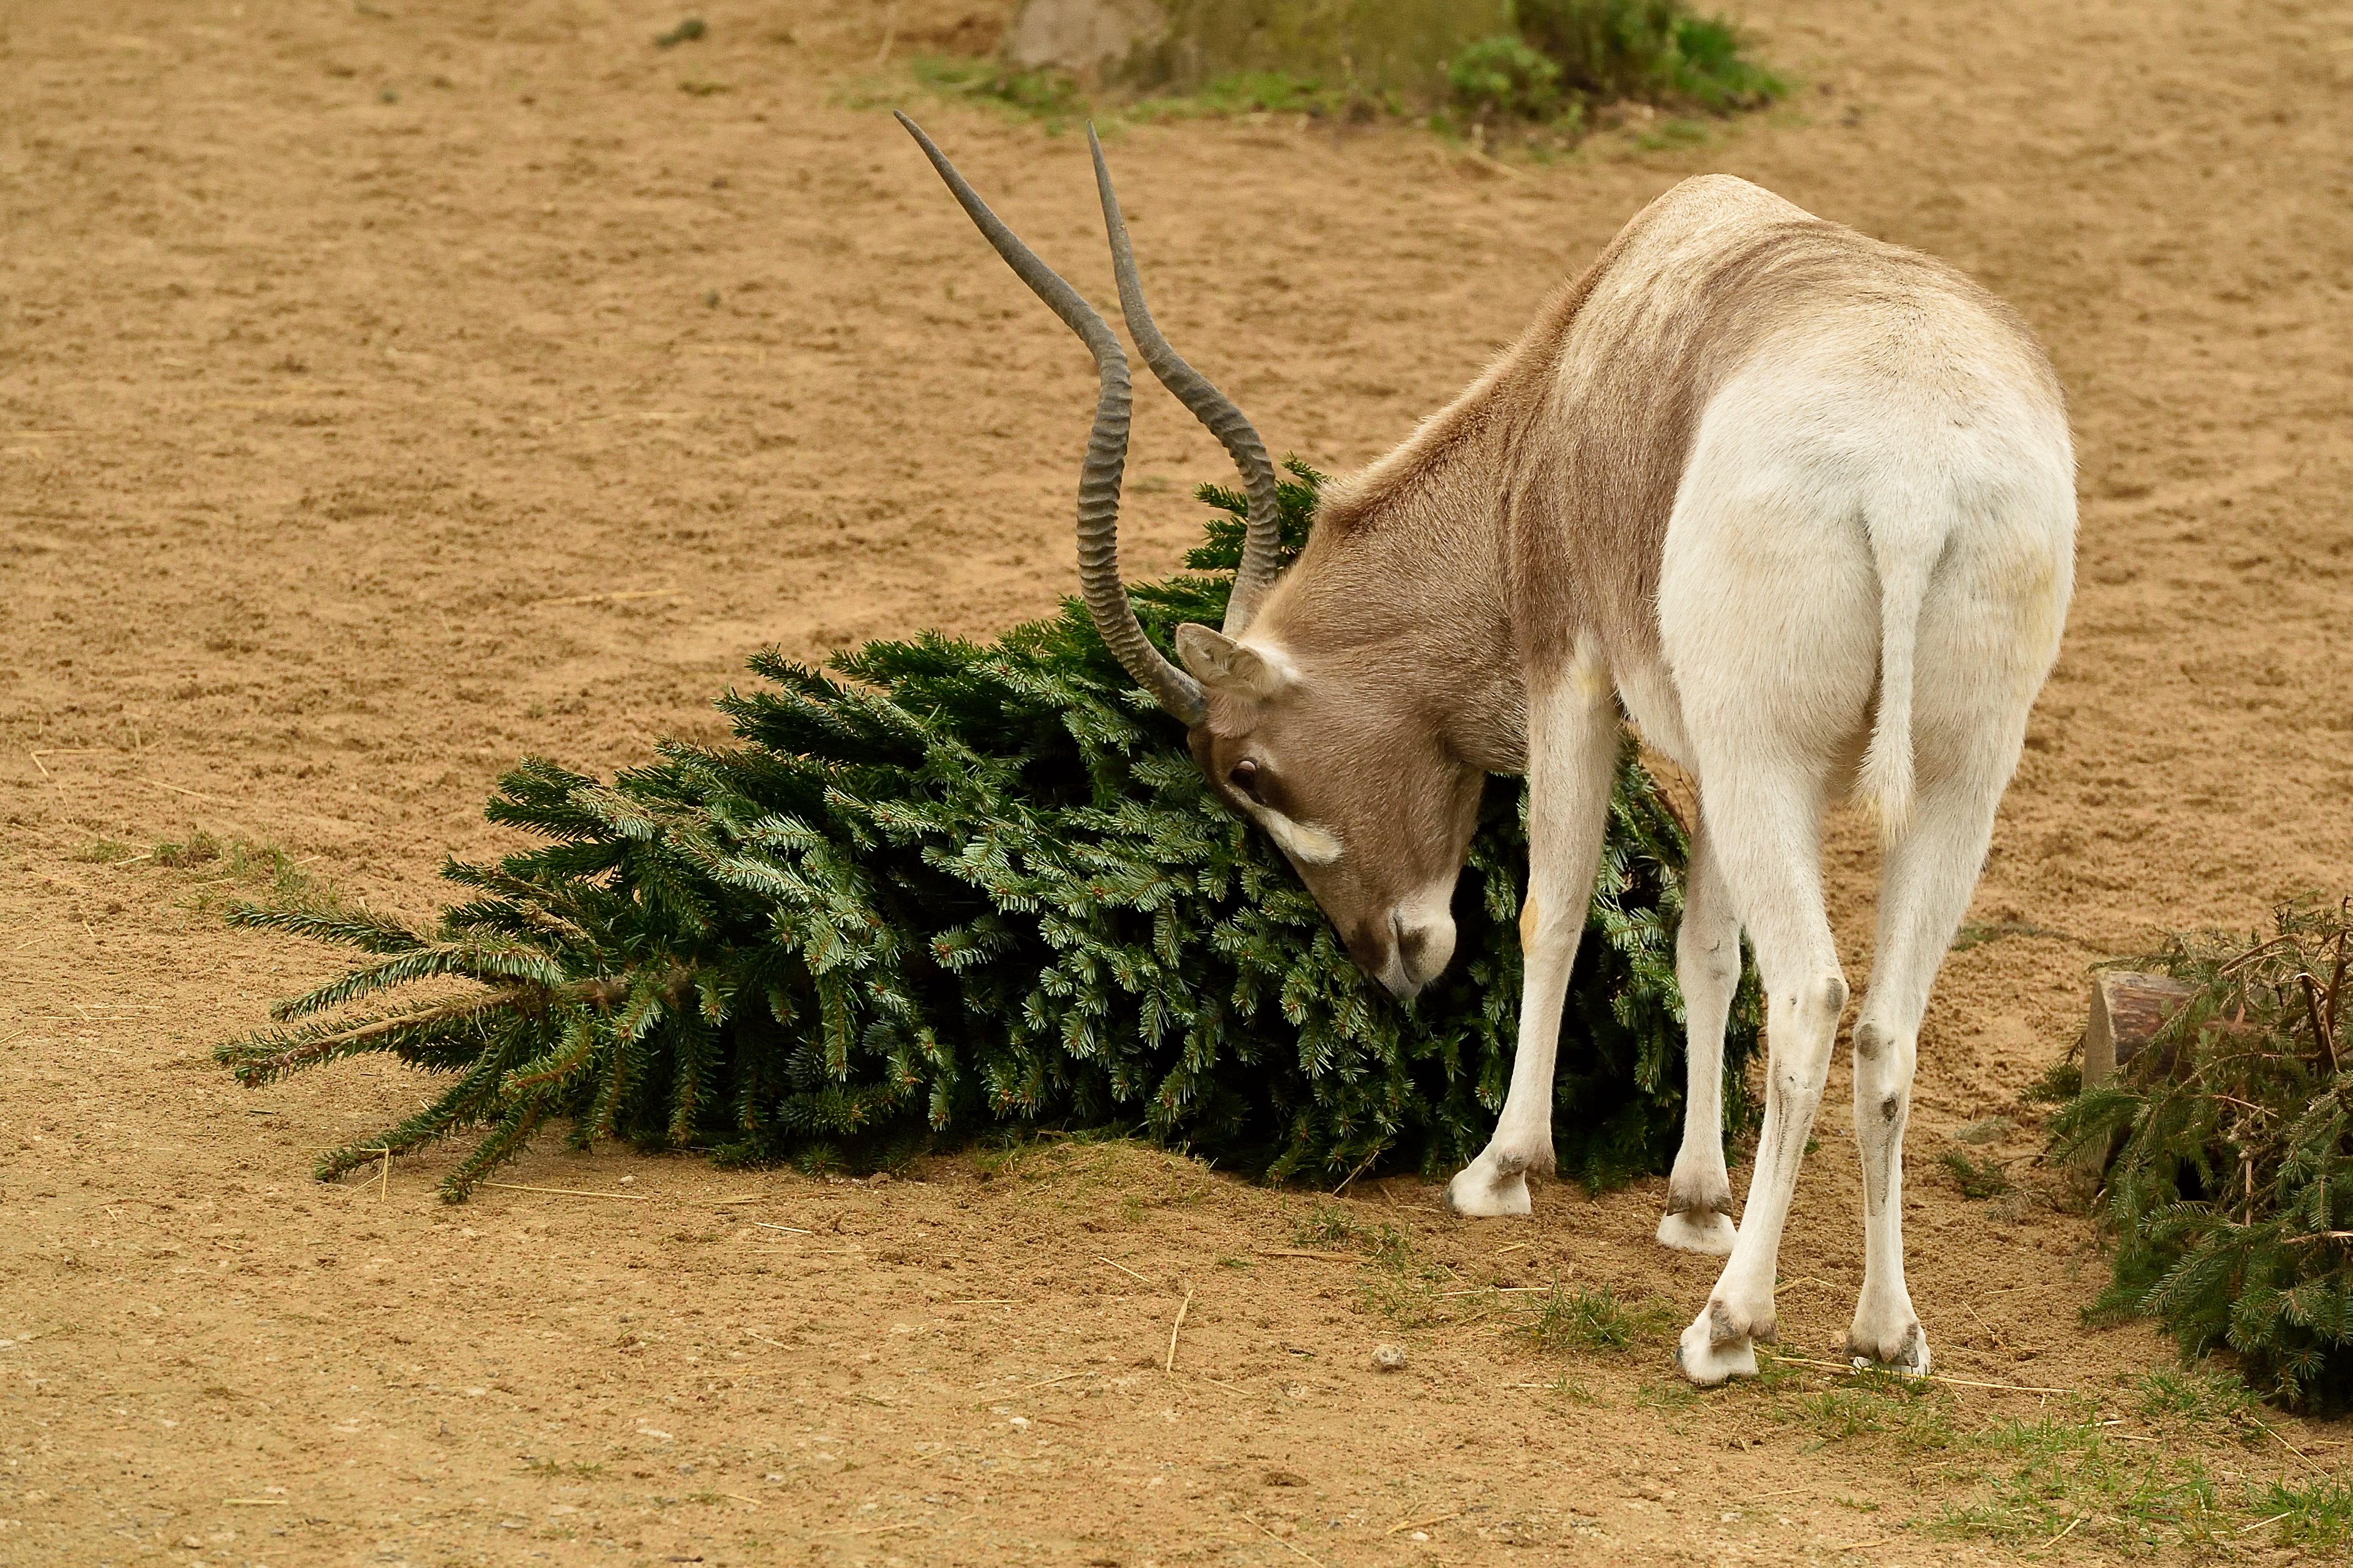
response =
{"points": [[1089, 38], [1992, 1129], [1389, 1358]]}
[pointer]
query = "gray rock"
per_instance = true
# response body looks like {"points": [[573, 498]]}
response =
{"points": [[1089, 38], [1389, 1358]]}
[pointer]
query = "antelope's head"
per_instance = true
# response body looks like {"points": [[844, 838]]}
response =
{"points": [[1369, 806], [1315, 745]]}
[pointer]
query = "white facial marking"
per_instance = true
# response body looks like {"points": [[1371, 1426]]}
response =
{"points": [[1254, 671], [1302, 840]]}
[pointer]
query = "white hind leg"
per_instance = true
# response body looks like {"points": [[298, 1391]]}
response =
{"points": [[1924, 892], [1768, 618], [1708, 968], [1767, 826]]}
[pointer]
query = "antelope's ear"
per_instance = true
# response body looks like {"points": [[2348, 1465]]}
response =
{"points": [[1222, 663]]}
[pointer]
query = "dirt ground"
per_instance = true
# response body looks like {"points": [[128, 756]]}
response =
{"points": [[388, 391]]}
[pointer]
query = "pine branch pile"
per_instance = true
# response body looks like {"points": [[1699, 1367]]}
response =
{"points": [[945, 886], [2232, 1202]]}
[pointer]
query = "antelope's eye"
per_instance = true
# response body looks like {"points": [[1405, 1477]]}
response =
{"points": [[1245, 777]]}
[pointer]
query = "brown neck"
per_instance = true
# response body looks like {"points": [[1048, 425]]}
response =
{"points": [[1402, 585]]}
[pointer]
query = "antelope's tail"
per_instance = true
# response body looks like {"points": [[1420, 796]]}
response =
{"points": [[1904, 553]]}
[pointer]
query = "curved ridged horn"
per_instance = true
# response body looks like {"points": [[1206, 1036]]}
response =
{"points": [[1099, 478], [1263, 540]]}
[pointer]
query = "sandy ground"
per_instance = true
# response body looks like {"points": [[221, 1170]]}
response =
{"points": [[383, 396]]}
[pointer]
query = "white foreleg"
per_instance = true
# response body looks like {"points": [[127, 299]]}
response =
{"points": [[1708, 968], [1573, 737]]}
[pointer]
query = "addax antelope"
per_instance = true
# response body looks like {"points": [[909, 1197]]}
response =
{"points": [[1799, 506]]}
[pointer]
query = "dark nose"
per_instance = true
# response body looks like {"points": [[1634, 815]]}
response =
{"points": [[1367, 942], [1413, 947]]}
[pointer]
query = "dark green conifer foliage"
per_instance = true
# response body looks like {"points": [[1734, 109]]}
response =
{"points": [[2232, 1201], [949, 886]]}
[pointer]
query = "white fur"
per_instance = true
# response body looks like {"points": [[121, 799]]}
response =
{"points": [[1857, 517], [1307, 842], [1258, 671], [1572, 760]]}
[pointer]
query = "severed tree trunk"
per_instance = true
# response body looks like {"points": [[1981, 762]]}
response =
{"points": [[2128, 1010]]}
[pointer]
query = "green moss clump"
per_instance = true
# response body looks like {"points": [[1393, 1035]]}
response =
{"points": [[1649, 51]]}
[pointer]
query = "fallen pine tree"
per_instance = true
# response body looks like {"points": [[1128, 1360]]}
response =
{"points": [[2230, 1202], [948, 887]]}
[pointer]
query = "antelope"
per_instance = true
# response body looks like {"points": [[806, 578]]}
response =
{"points": [[1797, 505]]}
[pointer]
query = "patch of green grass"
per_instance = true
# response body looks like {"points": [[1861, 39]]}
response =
{"points": [[2194, 1396], [1592, 1319], [1055, 98], [1397, 1285], [253, 864], [1976, 1181], [1977, 933], [102, 852], [1254, 93], [1913, 1416], [1775, 1377], [1004, 1155], [562, 1468], [241, 864], [1575, 1392], [199, 848], [1392, 1248], [2313, 1513], [2027, 1483], [1672, 136], [1325, 1225], [1050, 95], [2056, 1474], [1673, 1394]]}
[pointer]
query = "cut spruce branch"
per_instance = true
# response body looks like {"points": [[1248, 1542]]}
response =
{"points": [[2231, 1186], [944, 889]]}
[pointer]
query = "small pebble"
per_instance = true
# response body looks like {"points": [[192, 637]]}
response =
{"points": [[1992, 1129], [1389, 1358]]}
